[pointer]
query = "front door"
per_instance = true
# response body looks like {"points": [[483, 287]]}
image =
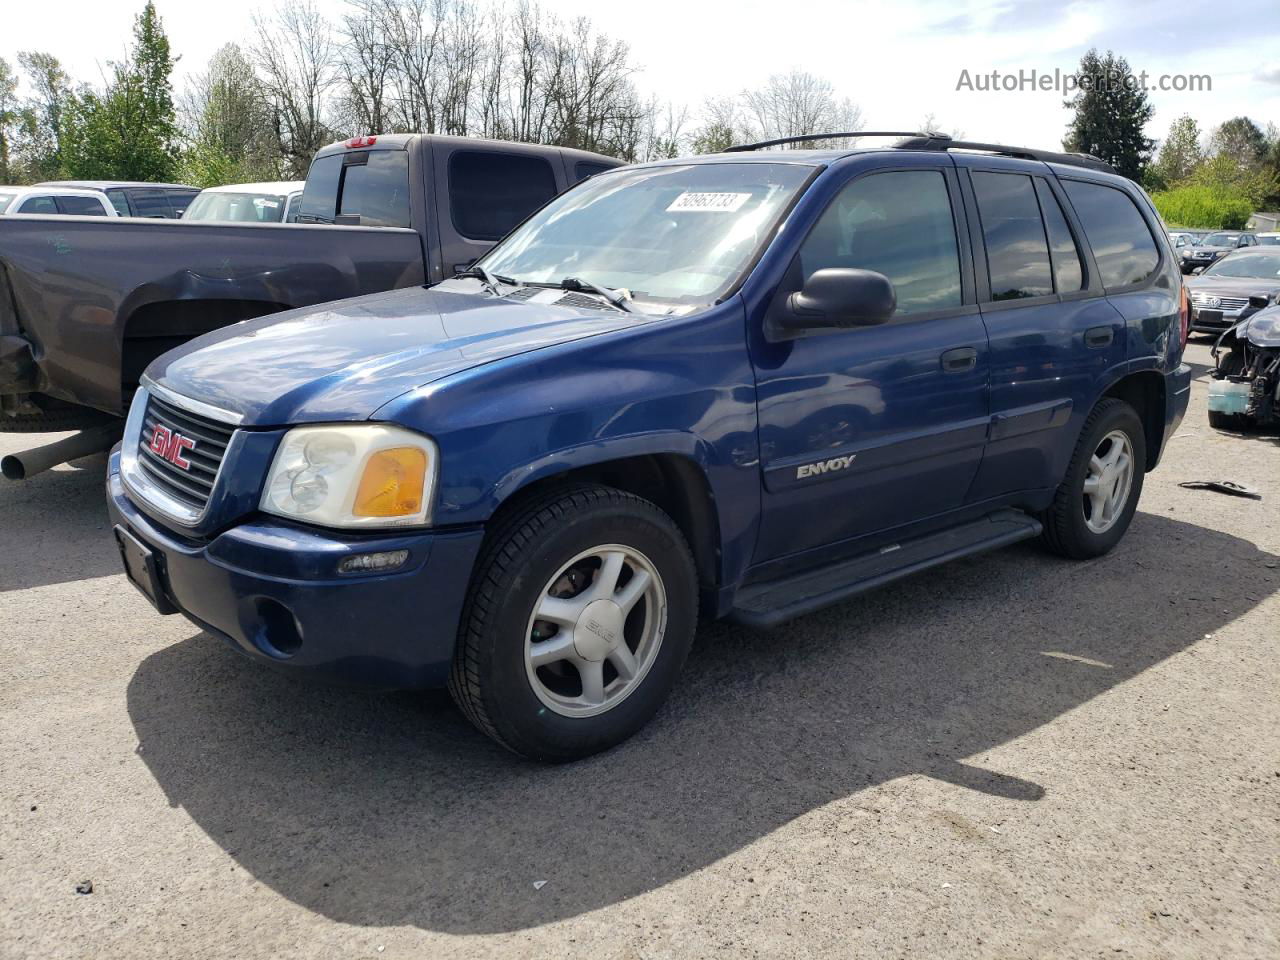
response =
{"points": [[866, 429]]}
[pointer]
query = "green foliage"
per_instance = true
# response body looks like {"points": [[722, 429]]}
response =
{"points": [[1224, 173], [1204, 207], [228, 125], [1110, 114], [1179, 155], [127, 131], [38, 139], [8, 119], [715, 137]]}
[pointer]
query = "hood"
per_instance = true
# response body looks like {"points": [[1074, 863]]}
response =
{"points": [[344, 360], [1232, 286]]}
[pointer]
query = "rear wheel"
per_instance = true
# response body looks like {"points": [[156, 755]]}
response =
{"points": [[580, 616], [1095, 503]]}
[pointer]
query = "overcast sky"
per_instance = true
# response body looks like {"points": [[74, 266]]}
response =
{"points": [[899, 61]]}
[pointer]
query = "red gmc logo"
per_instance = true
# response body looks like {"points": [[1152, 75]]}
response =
{"points": [[170, 445]]}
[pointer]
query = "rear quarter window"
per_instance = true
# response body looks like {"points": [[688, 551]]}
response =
{"points": [[371, 184], [585, 168], [489, 193], [1122, 243]]}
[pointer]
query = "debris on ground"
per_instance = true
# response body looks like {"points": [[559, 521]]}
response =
{"points": [[1223, 486], [539, 884], [84, 887]]}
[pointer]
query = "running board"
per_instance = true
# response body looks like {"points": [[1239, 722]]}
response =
{"points": [[769, 604]]}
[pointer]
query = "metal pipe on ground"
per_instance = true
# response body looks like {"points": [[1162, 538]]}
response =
{"points": [[25, 465]]}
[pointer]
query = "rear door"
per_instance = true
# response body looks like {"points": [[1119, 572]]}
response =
{"points": [[1053, 335], [867, 429]]}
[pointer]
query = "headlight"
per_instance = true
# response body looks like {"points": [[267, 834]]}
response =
{"points": [[361, 475]]}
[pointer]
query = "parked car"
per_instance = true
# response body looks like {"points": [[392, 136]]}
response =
{"points": [[1269, 239], [1182, 238], [744, 385], [1213, 247], [165, 201], [397, 211], [54, 201], [249, 202], [1220, 295]]}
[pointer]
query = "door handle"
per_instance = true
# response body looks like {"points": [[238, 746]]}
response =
{"points": [[959, 360], [1099, 337]]}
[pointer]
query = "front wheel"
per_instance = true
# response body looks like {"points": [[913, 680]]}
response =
{"points": [[1097, 498], [579, 618]]}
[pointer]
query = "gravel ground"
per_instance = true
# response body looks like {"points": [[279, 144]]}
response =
{"points": [[1014, 756]]}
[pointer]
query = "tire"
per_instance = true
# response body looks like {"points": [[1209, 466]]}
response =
{"points": [[1235, 422], [553, 553], [1074, 526]]}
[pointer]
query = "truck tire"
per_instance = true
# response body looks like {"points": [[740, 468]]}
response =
{"points": [[580, 614], [1095, 502]]}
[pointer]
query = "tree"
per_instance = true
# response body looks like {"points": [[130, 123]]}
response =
{"points": [[1111, 113], [8, 119], [39, 135], [1180, 153], [227, 124], [296, 57], [721, 127], [1241, 140], [799, 103], [127, 131]]}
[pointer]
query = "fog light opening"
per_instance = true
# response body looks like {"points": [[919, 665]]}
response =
{"points": [[278, 634], [373, 562]]}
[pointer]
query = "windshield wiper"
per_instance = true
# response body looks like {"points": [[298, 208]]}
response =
{"points": [[490, 280], [617, 298]]}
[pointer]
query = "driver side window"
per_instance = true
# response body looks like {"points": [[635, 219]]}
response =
{"points": [[898, 223]]}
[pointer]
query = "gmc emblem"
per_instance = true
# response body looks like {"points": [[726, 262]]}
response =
{"points": [[170, 445]]}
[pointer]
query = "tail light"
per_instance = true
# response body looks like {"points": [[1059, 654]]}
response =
{"points": [[1186, 315], [355, 142]]}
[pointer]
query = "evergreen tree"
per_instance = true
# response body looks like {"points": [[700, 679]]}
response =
{"points": [[1111, 112], [128, 131]]}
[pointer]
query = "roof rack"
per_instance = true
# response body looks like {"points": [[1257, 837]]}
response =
{"points": [[935, 141], [808, 137], [941, 141]]}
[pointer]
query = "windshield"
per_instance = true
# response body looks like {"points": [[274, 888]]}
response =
{"points": [[5, 200], [675, 235], [239, 207], [1250, 266], [1219, 240], [1264, 241]]}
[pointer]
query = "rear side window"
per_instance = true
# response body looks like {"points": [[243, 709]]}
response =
{"points": [[898, 223], [585, 168], [38, 205], [120, 202], [372, 185], [1068, 275], [151, 203], [377, 190], [81, 207], [181, 199], [1122, 244], [1017, 252], [489, 193]]}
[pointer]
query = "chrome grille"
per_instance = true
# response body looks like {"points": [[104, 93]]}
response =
{"points": [[1227, 303], [192, 486]]}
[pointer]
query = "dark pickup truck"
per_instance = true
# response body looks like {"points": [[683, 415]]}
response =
{"points": [[85, 304]]}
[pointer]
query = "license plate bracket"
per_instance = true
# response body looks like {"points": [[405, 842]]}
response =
{"points": [[1209, 316], [143, 570]]}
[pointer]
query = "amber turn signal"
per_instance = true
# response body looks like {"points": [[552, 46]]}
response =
{"points": [[392, 484]]}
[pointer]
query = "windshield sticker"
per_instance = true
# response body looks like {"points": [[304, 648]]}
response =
{"points": [[708, 202]]}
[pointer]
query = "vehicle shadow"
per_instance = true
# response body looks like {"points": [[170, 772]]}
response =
{"points": [[44, 514], [390, 809]]}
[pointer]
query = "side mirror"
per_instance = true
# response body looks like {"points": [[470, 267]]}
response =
{"points": [[838, 297]]}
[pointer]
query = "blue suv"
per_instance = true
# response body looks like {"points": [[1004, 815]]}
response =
{"points": [[745, 385]]}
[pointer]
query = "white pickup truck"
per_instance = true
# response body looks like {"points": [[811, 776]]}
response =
{"points": [[58, 201]]}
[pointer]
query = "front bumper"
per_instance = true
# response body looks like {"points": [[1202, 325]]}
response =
{"points": [[272, 591]]}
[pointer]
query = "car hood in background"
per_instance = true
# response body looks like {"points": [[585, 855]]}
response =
{"points": [[342, 361], [1232, 286]]}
